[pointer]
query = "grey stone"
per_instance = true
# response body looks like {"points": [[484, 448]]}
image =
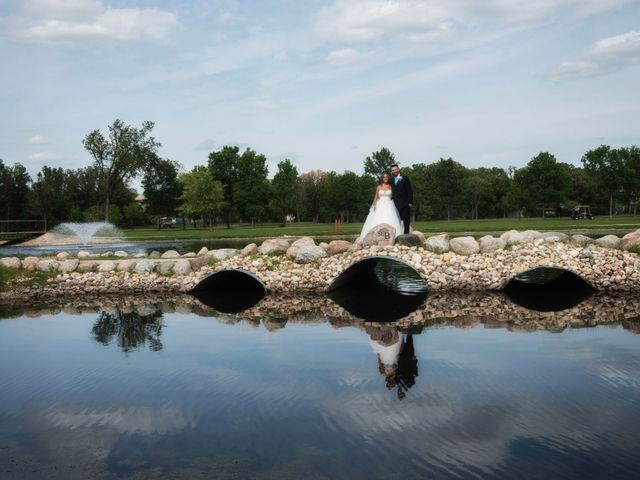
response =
{"points": [[69, 265], [630, 240], [514, 237], [490, 244], [409, 239], [581, 239], [438, 243], [250, 249], [10, 262], [292, 251], [324, 245], [107, 254], [143, 266], [154, 254], [121, 254], [202, 251], [165, 268], [273, 245], [30, 263], [189, 255], [48, 265], [182, 267], [553, 236], [609, 241], [86, 266], [141, 255], [310, 253], [199, 262], [464, 245], [62, 256], [126, 265], [380, 235], [223, 253], [106, 266], [83, 254], [337, 246], [170, 254]]}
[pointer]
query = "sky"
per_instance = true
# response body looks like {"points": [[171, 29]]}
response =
{"points": [[323, 83]]}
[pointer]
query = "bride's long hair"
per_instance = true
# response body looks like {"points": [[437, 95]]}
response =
{"points": [[382, 178]]}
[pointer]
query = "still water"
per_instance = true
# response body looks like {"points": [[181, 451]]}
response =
{"points": [[159, 390]]}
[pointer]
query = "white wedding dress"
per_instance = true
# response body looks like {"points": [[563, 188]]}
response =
{"points": [[385, 212]]}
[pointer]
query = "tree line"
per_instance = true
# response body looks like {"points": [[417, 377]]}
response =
{"points": [[234, 186]]}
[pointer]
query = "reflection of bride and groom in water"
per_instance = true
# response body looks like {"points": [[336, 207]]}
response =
{"points": [[396, 357]]}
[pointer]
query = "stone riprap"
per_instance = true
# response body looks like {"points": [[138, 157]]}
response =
{"points": [[313, 269]]}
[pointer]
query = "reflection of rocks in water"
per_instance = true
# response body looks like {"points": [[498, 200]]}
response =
{"points": [[132, 330], [632, 325], [396, 357]]}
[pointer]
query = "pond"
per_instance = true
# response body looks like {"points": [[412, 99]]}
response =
{"points": [[167, 387]]}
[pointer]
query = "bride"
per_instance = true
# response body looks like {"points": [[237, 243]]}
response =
{"points": [[383, 209]]}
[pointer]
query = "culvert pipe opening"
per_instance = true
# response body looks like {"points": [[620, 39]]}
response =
{"points": [[548, 289], [230, 291], [380, 289]]}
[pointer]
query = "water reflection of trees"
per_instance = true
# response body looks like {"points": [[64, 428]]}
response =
{"points": [[130, 330]]}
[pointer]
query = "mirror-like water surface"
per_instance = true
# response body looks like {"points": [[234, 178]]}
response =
{"points": [[162, 390]]}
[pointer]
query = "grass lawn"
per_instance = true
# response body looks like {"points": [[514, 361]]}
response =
{"points": [[618, 224]]}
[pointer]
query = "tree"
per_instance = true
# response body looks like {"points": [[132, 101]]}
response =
{"points": [[49, 197], [543, 182], [252, 190], [445, 180], [162, 190], [202, 197], [608, 167], [313, 187], [14, 182], [121, 156], [631, 156], [286, 186], [223, 167], [379, 162]]}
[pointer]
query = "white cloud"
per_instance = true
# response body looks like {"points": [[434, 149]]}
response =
{"points": [[44, 157], [364, 20], [57, 21], [346, 55], [605, 56], [266, 104], [38, 140]]}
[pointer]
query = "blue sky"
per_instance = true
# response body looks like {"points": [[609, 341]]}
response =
{"points": [[324, 83]]}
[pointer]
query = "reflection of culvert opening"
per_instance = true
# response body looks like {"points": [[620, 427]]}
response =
{"points": [[379, 289], [547, 289], [230, 291]]}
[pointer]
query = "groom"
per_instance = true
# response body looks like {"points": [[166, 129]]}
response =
{"points": [[402, 195]]}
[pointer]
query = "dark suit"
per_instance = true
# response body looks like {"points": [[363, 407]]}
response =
{"points": [[402, 195]]}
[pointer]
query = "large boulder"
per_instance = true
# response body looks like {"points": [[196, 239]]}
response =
{"points": [[337, 246], [273, 246], [120, 254], [203, 251], [107, 266], [630, 240], [581, 239], [62, 256], [155, 254], [553, 236], [438, 243], [464, 245], [165, 268], [30, 263], [70, 265], [10, 262], [126, 265], [144, 266], [609, 241], [48, 265], [251, 249], [141, 255], [83, 254], [292, 251], [189, 255], [381, 235], [170, 254], [490, 244], [86, 266], [409, 239], [223, 253], [309, 254], [420, 235], [515, 237], [182, 267]]}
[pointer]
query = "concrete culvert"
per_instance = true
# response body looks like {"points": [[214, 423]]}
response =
{"points": [[230, 291]]}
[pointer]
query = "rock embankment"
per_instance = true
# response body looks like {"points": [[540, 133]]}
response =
{"points": [[461, 263]]}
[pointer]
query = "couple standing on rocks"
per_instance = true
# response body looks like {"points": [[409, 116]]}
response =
{"points": [[392, 203]]}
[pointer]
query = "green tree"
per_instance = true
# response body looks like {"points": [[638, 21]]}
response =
{"points": [[161, 188], [202, 197], [542, 183], [608, 167], [49, 198], [445, 180], [286, 188], [120, 156], [379, 162], [313, 188], [223, 167], [252, 190], [15, 192], [631, 156]]}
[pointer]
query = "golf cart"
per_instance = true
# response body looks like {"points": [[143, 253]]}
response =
{"points": [[581, 212]]}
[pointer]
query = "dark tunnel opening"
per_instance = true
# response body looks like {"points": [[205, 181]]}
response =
{"points": [[379, 289], [230, 291], [548, 289]]}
